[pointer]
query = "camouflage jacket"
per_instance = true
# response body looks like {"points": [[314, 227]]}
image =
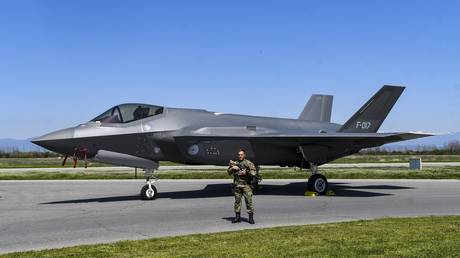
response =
{"points": [[248, 167]]}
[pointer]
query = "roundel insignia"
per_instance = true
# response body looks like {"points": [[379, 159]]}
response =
{"points": [[193, 150]]}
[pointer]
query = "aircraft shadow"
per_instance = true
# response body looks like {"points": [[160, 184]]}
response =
{"points": [[224, 190]]}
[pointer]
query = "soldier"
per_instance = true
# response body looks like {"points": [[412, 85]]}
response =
{"points": [[242, 170]]}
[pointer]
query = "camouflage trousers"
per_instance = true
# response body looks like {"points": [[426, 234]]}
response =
{"points": [[240, 191]]}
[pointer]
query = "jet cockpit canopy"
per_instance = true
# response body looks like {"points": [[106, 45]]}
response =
{"points": [[126, 113]]}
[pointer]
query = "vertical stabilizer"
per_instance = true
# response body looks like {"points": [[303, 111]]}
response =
{"points": [[318, 108], [370, 117]]}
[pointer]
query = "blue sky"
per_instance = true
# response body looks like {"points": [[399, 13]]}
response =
{"points": [[64, 62]]}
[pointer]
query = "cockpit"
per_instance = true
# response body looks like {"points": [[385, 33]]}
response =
{"points": [[126, 113]]}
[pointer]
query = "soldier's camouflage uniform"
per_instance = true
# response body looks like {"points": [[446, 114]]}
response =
{"points": [[242, 184]]}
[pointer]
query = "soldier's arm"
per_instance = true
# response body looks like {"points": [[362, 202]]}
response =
{"points": [[252, 169], [230, 170]]}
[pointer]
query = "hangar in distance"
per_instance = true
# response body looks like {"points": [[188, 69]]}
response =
{"points": [[141, 135]]}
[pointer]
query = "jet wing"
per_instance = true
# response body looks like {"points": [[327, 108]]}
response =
{"points": [[365, 139], [276, 149]]}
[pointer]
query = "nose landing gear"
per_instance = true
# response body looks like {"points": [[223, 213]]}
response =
{"points": [[149, 191]]}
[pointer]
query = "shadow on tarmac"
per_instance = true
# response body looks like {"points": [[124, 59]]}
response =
{"points": [[243, 218], [224, 190]]}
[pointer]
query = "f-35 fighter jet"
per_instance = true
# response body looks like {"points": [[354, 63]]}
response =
{"points": [[141, 135]]}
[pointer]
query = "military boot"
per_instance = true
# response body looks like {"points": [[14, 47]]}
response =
{"points": [[237, 218], [251, 218]]}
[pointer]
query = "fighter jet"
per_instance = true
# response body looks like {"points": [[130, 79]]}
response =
{"points": [[141, 135]]}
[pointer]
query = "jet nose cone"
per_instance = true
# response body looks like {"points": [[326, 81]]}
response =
{"points": [[56, 140], [57, 135]]}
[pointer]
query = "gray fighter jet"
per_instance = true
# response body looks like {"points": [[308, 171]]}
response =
{"points": [[140, 135]]}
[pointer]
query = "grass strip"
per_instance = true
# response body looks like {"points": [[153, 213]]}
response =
{"points": [[282, 173], [55, 162], [390, 237]]}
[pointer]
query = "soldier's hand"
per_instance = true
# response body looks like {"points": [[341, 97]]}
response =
{"points": [[242, 173], [235, 168]]}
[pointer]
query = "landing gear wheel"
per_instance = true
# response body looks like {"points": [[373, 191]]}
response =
{"points": [[318, 183], [149, 193]]}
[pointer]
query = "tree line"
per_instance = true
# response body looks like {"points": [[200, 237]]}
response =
{"points": [[450, 148], [28, 154]]}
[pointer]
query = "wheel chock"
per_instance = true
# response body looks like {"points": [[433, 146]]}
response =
{"points": [[311, 194]]}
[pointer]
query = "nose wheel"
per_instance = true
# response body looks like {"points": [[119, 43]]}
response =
{"points": [[149, 191]]}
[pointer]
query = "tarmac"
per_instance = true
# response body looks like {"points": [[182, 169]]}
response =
{"points": [[58, 213]]}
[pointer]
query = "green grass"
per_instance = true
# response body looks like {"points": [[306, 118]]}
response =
{"points": [[392, 173], [396, 158], [53, 162], [42, 163], [56, 162], [281, 173], [391, 237]]}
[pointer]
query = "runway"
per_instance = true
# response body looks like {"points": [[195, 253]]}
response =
{"points": [[48, 214]]}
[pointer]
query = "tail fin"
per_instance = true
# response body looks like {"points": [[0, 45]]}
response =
{"points": [[318, 108], [371, 116]]}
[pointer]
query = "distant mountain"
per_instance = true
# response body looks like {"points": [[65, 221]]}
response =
{"points": [[10, 145], [437, 141]]}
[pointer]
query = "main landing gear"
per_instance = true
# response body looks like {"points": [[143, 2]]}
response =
{"points": [[317, 182], [149, 191]]}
